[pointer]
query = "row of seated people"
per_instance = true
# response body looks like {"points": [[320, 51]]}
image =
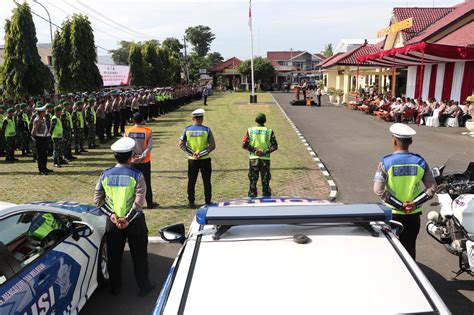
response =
{"points": [[405, 109]]}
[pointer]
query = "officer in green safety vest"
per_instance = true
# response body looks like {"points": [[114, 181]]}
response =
{"points": [[78, 120], [57, 132], [43, 226], [9, 129], [120, 194], [2, 132], [91, 121], [398, 182], [260, 141], [197, 141], [68, 127], [23, 124], [49, 115]]}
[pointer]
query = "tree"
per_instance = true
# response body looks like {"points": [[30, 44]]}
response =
{"points": [[84, 72], [135, 61], [213, 59], [120, 55], [61, 58], [263, 69], [23, 73], [201, 38], [152, 66], [328, 51], [196, 63], [173, 44]]}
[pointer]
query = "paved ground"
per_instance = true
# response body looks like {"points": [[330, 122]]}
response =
{"points": [[350, 143], [160, 259]]}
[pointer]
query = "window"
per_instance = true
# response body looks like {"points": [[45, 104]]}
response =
{"points": [[27, 235]]}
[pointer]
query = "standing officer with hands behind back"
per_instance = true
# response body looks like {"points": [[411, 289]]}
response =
{"points": [[120, 194], [398, 181], [197, 141]]}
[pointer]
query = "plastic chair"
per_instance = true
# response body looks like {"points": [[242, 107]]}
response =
{"points": [[452, 122], [433, 121]]}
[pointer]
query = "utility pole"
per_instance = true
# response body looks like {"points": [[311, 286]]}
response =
{"points": [[186, 70], [253, 97], [49, 18]]}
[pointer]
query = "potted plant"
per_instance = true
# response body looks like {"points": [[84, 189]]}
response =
{"points": [[339, 94], [331, 93]]}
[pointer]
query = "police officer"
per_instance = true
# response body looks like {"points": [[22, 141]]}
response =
{"points": [[40, 132], [78, 121], [260, 141], [398, 181], [142, 153], [57, 137], [9, 129], [120, 194], [91, 121], [197, 141], [2, 132], [23, 124], [68, 127]]}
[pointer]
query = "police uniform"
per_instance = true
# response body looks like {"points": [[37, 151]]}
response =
{"points": [[9, 129], [142, 152], [197, 141], [68, 127], [91, 121], [57, 137], [120, 194], [2, 132], [23, 124], [260, 141], [398, 181], [40, 132], [78, 121]]}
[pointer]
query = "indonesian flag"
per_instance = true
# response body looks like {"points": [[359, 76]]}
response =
{"points": [[250, 14]]}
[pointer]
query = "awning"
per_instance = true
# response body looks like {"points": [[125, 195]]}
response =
{"points": [[419, 53]]}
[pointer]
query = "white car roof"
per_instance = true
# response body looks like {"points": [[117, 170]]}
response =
{"points": [[6, 205], [260, 269]]}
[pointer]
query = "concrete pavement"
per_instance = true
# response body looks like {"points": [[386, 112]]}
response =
{"points": [[350, 145]]}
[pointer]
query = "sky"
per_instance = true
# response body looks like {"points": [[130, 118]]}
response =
{"points": [[277, 25]]}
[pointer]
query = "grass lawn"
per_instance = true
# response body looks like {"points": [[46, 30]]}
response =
{"points": [[228, 115]]}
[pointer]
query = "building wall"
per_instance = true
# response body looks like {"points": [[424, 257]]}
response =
{"points": [[45, 54]]}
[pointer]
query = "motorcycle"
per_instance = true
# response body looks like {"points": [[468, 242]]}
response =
{"points": [[453, 225]]}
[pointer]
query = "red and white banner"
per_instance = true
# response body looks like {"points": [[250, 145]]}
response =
{"points": [[114, 75]]}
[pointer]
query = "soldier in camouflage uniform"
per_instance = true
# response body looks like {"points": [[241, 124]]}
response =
{"points": [[57, 137], [260, 141], [68, 127], [23, 128], [47, 118], [2, 132], [78, 121]]}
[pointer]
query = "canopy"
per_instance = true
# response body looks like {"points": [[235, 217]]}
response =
{"points": [[418, 54]]}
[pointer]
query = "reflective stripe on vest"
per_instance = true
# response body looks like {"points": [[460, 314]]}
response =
{"points": [[81, 119], [69, 120], [43, 225], [58, 128], [94, 115], [119, 193], [26, 119], [10, 130], [141, 135], [259, 138], [404, 178], [197, 141]]}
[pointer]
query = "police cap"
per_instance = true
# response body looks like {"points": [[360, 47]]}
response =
{"points": [[123, 145], [198, 112], [402, 131]]}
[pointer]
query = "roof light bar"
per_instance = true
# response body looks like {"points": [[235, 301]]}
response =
{"points": [[297, 214]]}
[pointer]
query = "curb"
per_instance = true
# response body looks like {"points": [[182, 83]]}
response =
{"points": [[156, 240], [314, 156]]}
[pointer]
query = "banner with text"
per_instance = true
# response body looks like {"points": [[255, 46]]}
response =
{"points": [[113, 75]]}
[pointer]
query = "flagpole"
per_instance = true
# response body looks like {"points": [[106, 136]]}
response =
{"points": [[253, 97]]}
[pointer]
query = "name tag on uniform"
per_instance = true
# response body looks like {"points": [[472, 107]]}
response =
{"points": [[118, 180], [136, 135], [405, 170], [197, 133]]}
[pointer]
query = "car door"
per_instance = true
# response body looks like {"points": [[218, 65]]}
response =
{"points": [[46, 263]]}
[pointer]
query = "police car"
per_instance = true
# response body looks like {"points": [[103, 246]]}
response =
{"points": [[52, 257], [293, 256]]}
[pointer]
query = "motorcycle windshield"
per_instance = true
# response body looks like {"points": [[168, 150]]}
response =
{"points": [[457, 163]]}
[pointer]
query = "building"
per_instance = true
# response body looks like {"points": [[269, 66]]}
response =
{"points": [[226, 76], [346, 45], [434, 54], [294, 66], [44, 50]]}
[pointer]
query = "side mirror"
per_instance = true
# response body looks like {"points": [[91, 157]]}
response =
{"points": [[436, 172], [397, 227], [173, 233], [81, 229]]}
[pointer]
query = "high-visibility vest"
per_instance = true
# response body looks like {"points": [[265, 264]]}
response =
{"points": [[197, 139], [120, 184], [69, 120], [141, 135], [57, 132], [259, 138], [94, 115], [405, 173], [26, 119], [10, 130], [42, 226], [81, 119]]}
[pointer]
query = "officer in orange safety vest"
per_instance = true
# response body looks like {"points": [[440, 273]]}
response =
{"points": [[142, 153]]}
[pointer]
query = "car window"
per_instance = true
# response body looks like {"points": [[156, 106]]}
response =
{"points": [[28, 235]]}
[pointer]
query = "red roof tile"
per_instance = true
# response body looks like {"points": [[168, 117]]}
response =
{"points": [[329, 59], [460, 37], [231, 63], [422, 18], [282, 55], [458, 11], [320, 56], [350, 58]]}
